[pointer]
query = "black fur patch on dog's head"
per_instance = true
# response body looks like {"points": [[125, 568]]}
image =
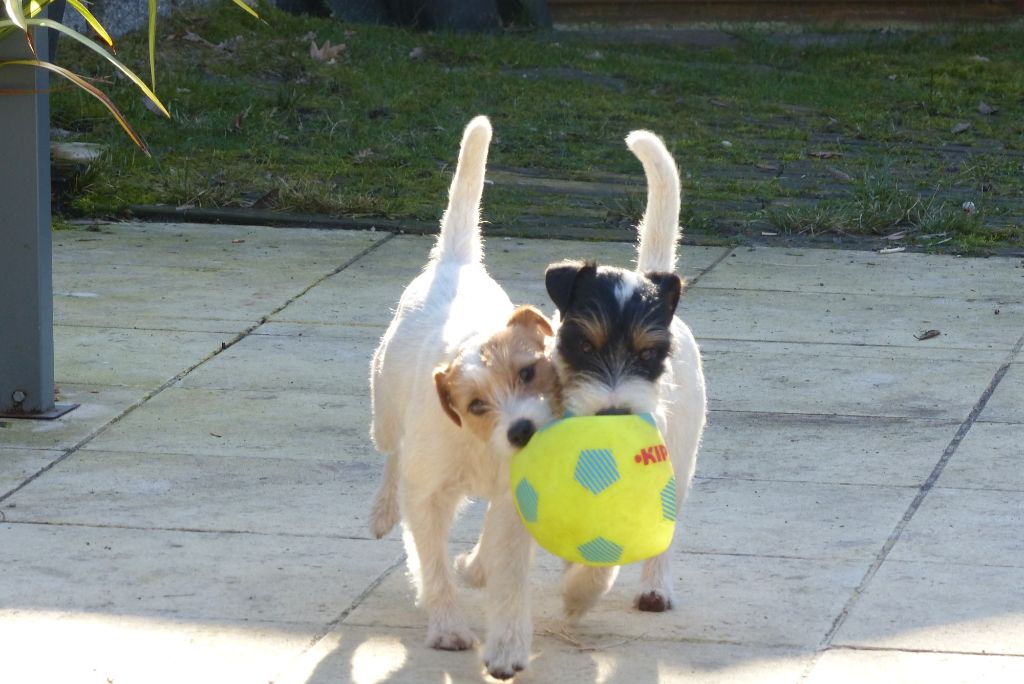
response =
{"points": [[614, 323]]}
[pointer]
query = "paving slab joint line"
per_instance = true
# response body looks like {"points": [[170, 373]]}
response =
{"points": [[690, 282], [329, 627], [894, 649], [925, 488], [223, 347]]}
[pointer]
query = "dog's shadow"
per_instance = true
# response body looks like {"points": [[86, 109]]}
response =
{"points": [[372, 655]]}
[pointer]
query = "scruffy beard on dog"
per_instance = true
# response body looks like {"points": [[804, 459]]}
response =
{"points": [[621, 349], [459, 382]]}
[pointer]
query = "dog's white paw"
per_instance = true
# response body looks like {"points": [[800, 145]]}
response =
{"points": [[471, 569], [449, 633], [507, 653]]}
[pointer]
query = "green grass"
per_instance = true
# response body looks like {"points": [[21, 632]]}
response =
{"points": [[376, 134]]}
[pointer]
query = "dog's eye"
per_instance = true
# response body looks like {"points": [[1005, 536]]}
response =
{"points": [[477, 407], [586, 347], [647, 355], [526, 374]]}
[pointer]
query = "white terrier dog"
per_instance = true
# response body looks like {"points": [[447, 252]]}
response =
{"points": [[459, 382], [620, 349]]}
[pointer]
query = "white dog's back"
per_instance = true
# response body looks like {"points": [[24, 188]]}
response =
{"points": [[683, 384], [454, 287]]}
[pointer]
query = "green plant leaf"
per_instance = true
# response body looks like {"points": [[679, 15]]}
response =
{"points": [[248, 9], [97, 48], [92, 21], [152, 43], [17, 14], [89, 88]]}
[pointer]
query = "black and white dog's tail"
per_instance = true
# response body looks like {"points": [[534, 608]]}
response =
{"points": [[659, 228], [459, 241]]}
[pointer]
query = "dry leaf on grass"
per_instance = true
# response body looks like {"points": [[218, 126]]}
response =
{"points": [[825, 154], [767, 167], [961, 127], [986, 109], [326, 53], [839, 175]]}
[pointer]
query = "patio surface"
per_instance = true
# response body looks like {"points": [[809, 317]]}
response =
{"points": [[857, 513]]}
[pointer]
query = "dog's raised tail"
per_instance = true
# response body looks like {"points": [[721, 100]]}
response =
{"points": [[659, 228], [459, 240]]}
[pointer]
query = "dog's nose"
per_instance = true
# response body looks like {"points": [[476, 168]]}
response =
{"points": [[521, 432], [613, 411]]}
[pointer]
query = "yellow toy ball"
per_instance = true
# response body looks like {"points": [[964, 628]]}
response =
{"points": [[597, 490]]}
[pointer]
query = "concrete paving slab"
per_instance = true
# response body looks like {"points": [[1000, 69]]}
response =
{"points": [[181, 575], [722, 598], [329, 498], [366, 293], [796, 519], [47, 646], [1007, 402], [99, 405], [213, 246], [851, 319], [327, 359], [295, 424], [939, 607], [855, 381], [187, 277], [136, 358], [989, 457], [233, 503], [171, 297], [849, 666], [965, 526], [511, 259], [366, 656], [835, 449], [17, 465], [998, 279]]}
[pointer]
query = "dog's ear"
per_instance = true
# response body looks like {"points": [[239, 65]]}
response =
{"points": [[444, 394], [670, 287], [560, 280], [532, 319]]}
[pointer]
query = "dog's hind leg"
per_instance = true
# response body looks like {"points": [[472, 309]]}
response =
{"points": [[386, 514], [582, 586], [470, 567], [656, 594], [428, 518]]}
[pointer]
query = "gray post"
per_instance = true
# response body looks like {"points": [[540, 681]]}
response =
{"points": [[26, 284]]}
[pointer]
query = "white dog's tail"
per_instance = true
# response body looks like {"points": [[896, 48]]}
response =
{"points": [[459, 240], [659, 228]]}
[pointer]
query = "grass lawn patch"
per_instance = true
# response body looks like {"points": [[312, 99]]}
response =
{"points": [[842, 135]]}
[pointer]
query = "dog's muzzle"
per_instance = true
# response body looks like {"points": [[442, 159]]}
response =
{"points": [[521, 432]]}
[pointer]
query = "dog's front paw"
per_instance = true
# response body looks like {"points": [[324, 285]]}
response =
{"points": [[470, 569], [450, 634], [506, 656], [654, 601]]}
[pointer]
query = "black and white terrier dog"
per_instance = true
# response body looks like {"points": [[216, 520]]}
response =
{"points": [[621, 349]]}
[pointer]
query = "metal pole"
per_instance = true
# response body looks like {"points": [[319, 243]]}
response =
{"points": [[26, 280]]}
